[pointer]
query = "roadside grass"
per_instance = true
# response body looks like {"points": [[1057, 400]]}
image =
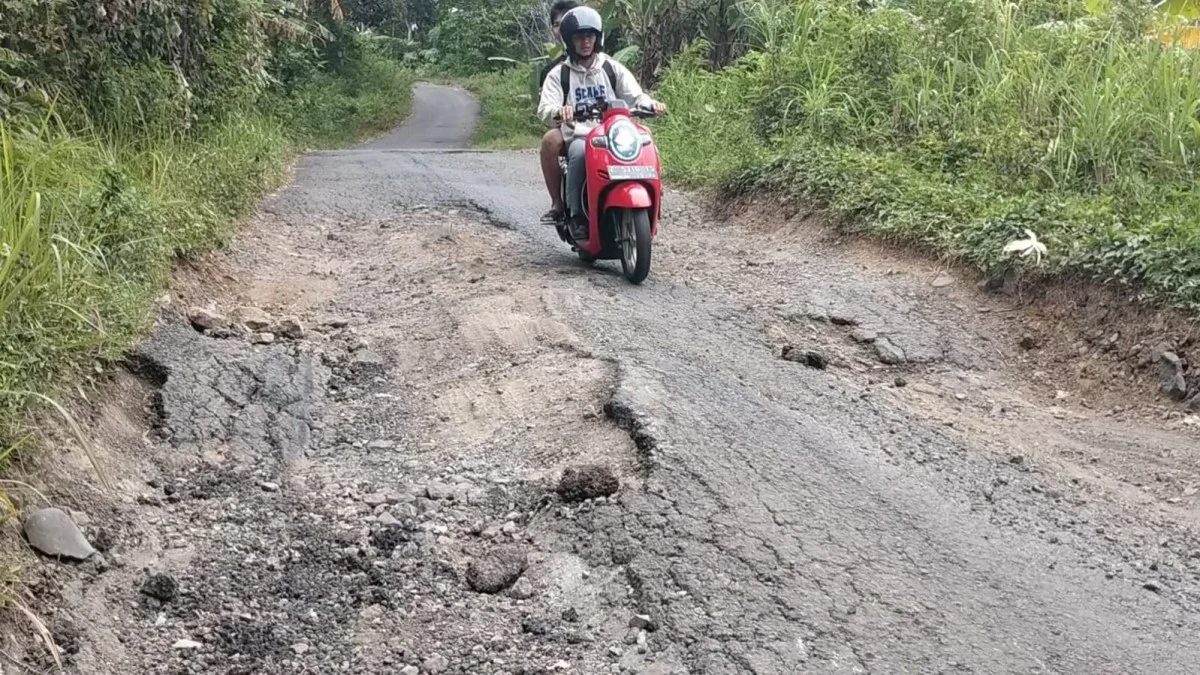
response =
{"points": [[959, 124], [335, 110]]}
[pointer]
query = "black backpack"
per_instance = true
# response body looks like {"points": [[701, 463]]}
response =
{"points": [[565, 75]]}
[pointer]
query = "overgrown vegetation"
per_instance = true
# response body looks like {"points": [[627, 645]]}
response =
{"points": [[959, 124], [131, 133]]}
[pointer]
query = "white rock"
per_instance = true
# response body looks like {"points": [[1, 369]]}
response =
{"points": [[254, 318], [206, 319], [289, 327], [522, 589], [187, 644], [52, 532]]}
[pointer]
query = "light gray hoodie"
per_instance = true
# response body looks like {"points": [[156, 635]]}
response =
{"points": [[586, 85]]}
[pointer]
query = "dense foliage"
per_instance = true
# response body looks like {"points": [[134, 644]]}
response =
{"points": [[958, 124], [132, 131]]}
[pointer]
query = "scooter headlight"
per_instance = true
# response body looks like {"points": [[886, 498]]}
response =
{"points": [[624, 141]]}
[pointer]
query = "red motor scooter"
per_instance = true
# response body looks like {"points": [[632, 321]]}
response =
{"points": [[622, 190]]}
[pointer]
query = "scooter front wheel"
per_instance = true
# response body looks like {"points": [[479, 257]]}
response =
{"points": [[633, 226]]}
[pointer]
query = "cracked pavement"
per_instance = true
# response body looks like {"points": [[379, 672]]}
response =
{"points": [[773, 518]]}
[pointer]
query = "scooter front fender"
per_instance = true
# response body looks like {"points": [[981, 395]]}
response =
{"points": [[628, 195]]}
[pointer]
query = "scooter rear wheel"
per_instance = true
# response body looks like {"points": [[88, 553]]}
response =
{"points": [[633, 228]]}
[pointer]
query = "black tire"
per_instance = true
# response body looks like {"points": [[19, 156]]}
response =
{"points": [[635, 255], [586, 257]]}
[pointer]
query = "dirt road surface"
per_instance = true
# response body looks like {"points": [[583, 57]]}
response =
{"points": [[374, 491]]}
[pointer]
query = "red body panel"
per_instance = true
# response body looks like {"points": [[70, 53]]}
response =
{"points": [[629, 195], [603, 193]]}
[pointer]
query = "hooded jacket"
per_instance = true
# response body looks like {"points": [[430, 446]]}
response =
{"points": [[585, 85]]}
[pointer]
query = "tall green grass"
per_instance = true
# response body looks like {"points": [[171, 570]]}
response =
{"points": [[957, 124]]}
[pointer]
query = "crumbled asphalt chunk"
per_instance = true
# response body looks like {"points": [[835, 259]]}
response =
{"points": [[863, 335], [643, 622], [497, 570], [807, 357], [888, 352], [522, 589], [439, 491], [590, 481], [537, 626], [390, 536], [161, 587], [254, 401], [436, 663]]}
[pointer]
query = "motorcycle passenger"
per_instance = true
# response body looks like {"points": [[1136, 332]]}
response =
{"points": [[557, 10], [553, 143], [587, 73]]}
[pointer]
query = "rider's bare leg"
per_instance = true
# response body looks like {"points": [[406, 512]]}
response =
{"points": [[552, 148]]}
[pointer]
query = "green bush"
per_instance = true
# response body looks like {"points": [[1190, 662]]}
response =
{"points": [[958, 124]]}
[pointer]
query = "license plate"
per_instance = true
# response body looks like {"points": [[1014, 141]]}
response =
{"points": [[632, 172]]}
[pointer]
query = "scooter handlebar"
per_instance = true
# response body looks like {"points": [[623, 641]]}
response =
{"points": [[586, 113]]}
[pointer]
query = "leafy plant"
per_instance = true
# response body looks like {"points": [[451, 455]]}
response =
{"points": [[961, 125]]}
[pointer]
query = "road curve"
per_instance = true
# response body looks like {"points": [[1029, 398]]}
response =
{"points": [[443, 118], [774, 518]]}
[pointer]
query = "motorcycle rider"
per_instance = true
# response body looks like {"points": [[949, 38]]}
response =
{"points": [[587, 73], [553, 143]]}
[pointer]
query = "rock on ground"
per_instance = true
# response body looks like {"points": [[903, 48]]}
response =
{"points": [[52, 532], [888, 352], [1170, 374], [206, 319], [289, 327], [254, 318]]}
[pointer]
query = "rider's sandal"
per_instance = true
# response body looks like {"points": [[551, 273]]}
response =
{"points": [[552, 216]]}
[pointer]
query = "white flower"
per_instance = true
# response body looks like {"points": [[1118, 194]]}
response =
{"points": [[1028, 246]]}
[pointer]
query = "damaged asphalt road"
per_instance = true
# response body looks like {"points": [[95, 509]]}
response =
{"points": [[379, 495]]}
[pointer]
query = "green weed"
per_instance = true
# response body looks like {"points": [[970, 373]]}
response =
{"points": [[958, 125]]}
